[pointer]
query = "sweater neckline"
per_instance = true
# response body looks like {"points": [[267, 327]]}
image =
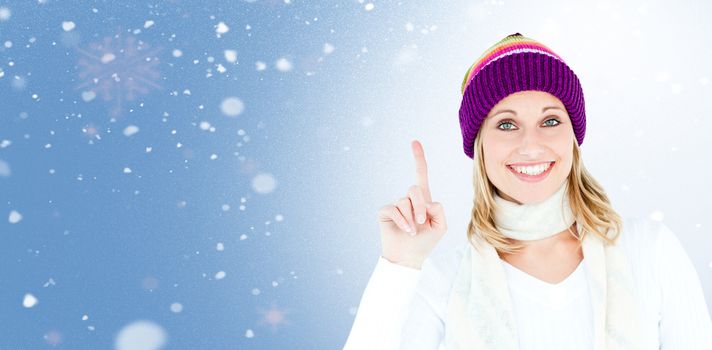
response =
{"points": [[553, 296]]}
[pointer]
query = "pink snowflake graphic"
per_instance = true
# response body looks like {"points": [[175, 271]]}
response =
{"points": [[118, 69], [91, 132], [274, 317]]}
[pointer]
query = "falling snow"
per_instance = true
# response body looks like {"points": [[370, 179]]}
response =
{"points": [[232, 106], [29, 301], [14, 217], [231, 56], [130, 130], [283, 65], [4, 169], [264, 183], [141, 335], [176, 307], [221, 28], [5, 14], [68, 26]]}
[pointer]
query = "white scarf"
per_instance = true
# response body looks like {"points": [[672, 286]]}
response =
{"points": [[480, 314]]}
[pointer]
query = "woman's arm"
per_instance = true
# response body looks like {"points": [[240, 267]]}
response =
{"points": [[685, 320], [393, 299]]}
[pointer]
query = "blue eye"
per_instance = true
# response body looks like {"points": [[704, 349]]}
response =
{"points": [[557, 122], [503, 123], [510, 123]]}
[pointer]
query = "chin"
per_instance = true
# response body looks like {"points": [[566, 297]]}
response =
{"points": [[530, 193]]}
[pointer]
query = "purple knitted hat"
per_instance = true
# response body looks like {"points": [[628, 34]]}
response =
{"points": [[517, 63]]}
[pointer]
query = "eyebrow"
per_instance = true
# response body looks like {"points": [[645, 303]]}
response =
{"points": [[515, 113]]}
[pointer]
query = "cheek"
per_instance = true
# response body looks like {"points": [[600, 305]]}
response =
{"points": [[494, 152], [563, 143], [566, 156], [495, 165]]}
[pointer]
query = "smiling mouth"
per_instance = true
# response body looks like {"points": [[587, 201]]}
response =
{"points": [[532, 173]]}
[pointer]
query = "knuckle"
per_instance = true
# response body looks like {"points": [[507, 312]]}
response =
{"points": [[411, 193], [415, 191]]}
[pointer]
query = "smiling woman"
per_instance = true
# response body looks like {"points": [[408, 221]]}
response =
{"points": [[549, 263]]}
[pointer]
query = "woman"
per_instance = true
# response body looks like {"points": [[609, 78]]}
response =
{"points": [[550, 264]]}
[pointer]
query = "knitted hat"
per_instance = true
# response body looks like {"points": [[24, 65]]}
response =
{"points": [[517, 63]]}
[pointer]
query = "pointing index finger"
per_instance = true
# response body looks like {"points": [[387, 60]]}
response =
{"points": [[421, 169]]}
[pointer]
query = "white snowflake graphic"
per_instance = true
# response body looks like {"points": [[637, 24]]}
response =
{"points": [[118, 69]]}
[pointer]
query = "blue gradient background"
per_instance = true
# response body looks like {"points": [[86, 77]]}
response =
{"points": [[333, 132]]}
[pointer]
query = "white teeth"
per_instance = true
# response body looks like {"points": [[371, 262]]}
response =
{"points": [[532, 170]]}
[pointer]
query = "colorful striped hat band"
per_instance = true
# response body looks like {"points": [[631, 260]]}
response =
{"points": [[517, 63]]}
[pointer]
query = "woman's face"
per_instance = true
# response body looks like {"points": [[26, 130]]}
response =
{"points": [[535, 129]]}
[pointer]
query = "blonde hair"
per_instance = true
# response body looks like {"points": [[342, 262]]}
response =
{"points": [[589, 204]]}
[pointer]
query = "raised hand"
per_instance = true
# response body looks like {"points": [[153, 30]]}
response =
{"points": [[413, 225]]}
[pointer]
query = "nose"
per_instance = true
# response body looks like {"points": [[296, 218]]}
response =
{"points": [[532, 143]]}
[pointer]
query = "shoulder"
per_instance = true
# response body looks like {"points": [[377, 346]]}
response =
{"points": [[640, 233], [649, 242]]}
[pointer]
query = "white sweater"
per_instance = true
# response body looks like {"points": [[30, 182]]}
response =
{"points": [[404, 308], [551, 316]]}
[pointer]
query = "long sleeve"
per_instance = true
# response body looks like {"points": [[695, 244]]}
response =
{"points": [[685, 321], [424, 326], [383, 308]]}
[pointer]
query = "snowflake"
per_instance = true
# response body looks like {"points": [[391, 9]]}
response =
{"points": [[274, 317], [91, 132], [118, 69]]}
